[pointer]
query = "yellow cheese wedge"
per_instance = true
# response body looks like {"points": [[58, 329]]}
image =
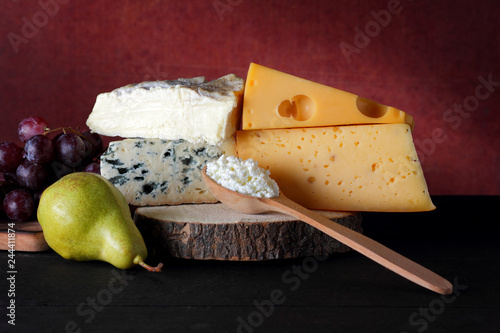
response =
{"points": [[274, 99], [351, 168]]}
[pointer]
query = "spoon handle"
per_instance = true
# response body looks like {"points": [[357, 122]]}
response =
{"points": [[366, 246]]}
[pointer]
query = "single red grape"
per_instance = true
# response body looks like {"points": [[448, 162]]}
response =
{"points": [[70, 150], [31, 126], [11, 156], [18, 205], [96, 140], [32, 175], [89, 149], [39, 149]]}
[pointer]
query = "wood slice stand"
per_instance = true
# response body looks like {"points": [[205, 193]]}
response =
{"points": [[28, 236], [215, 232]]}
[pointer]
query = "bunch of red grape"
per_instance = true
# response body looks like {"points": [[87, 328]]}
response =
{"points": [[47, 156]]}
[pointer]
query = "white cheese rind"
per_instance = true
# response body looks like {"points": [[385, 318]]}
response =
{"points": [[188, 109], [161, 172]]}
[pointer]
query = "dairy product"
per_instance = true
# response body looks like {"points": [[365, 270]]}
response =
{"points": [[274, 99], [189, 109], [353, 168], [161, 172], [242, 176]]}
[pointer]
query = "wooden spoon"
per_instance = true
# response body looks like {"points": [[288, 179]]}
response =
{"points": [[364, 245]]}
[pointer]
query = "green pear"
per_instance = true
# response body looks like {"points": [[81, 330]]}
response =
{"points": [[85, 217]]}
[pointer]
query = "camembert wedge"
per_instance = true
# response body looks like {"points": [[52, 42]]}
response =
{"points": [[190, 109]]}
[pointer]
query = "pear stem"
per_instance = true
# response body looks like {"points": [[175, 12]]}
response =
{"points": [[140, 262]]}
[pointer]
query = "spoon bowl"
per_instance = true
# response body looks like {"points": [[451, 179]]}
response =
{"points": [[358, 242], [240, 202]]}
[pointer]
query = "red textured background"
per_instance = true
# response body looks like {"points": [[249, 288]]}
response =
{"points": [[426, 58]]}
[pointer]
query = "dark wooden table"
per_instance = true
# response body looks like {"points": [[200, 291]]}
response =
{"points": [[342, 293]]}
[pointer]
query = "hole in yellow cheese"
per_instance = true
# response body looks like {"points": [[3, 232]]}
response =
{"points": [[370, 108], [300, 107], [285, 109]]}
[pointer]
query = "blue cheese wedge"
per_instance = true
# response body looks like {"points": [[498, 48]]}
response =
{"points": [[189, 109], [153, 172]]}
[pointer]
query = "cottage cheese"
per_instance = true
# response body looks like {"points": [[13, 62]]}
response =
{"points": [[243, 176]]}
